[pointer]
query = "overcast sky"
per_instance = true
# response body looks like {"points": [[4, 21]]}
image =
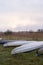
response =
{"points": [[18, 15]]}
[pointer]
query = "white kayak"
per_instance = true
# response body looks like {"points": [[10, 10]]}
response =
{"points": [[27, 47], [17, 43]]}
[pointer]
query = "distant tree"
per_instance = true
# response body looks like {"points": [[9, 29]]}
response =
{"points": [[8, 32], [40, 30]]}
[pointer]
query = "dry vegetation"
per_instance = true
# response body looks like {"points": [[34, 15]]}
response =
{"points": [[23, 35]]}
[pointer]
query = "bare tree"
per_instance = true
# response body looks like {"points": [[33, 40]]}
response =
{"points": [[8, 32]]}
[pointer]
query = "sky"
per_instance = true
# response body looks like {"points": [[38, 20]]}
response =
{"points": [[21, 15]]}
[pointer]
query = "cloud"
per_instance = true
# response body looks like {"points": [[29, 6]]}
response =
{"points": [[27, 13], [21, 21], [20, 5]]}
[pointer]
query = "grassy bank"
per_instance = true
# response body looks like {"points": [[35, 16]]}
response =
{"points": [[20, 59]]}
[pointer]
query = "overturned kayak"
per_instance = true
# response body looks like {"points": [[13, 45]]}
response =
{"points": [[17, 43], [27, 47]]}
